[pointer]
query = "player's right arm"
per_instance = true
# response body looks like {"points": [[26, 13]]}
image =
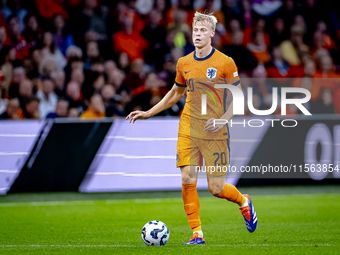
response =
{"points": [[172, 97]]}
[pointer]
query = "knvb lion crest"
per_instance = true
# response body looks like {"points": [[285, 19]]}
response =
{"points": [[211, 73]]}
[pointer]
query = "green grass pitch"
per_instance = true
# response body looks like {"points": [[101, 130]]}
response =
{"points": [[303, 220]]}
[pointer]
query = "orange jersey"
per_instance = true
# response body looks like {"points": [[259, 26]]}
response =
{"points": [[200, 75]]}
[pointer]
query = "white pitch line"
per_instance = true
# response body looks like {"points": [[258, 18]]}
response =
{"points": [[139, 246], [90, 202], [266, 245], [134, 201], [48, 203]]}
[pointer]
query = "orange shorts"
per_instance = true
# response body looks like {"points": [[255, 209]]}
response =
{"points": [[191, 151]]}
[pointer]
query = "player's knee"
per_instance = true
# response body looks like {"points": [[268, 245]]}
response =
{"points": [[215, 189], [186, 179]]}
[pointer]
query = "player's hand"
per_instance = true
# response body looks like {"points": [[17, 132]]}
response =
{"points": [[209, 126], [135, 115]]}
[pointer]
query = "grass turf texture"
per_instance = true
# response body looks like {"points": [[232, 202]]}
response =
{"points": [[95, 224]]}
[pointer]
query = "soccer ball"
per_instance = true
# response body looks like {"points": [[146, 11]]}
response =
{"points": [[155, 233]]}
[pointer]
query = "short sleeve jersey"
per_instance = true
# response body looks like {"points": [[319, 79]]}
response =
{"points": [[199, 76]]}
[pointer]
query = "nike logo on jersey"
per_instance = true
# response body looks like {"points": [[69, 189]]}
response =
{"points": [[187, 72]]}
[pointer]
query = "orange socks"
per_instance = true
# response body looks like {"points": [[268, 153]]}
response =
{"points": [[231, 193], [191, 205]]}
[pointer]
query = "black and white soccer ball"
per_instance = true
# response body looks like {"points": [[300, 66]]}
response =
{"points": [[155, 233]]}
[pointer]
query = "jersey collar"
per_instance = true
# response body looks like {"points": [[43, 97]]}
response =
{"points": [[205, 58]]}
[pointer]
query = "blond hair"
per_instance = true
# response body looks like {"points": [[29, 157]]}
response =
{"points": [[205, 17]]}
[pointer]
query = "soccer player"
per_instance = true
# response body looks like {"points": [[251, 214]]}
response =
{"points": [[199, 136]]}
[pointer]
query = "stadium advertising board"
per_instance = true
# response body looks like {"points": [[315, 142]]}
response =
{"points": [[129, 161]]}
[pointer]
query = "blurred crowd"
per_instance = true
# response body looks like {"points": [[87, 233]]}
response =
{"points": [[97, 58]]}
